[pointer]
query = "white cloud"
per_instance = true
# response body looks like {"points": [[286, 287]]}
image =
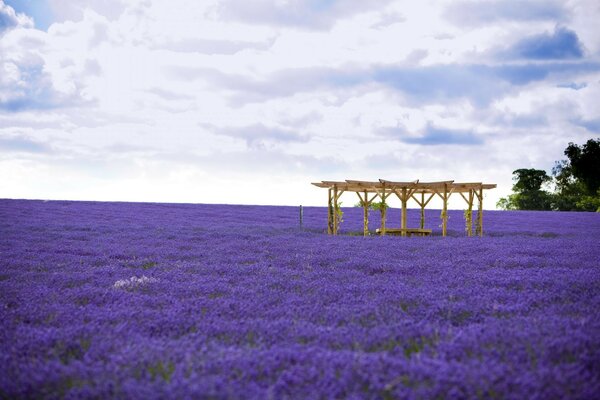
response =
{"points": [[312, 14], [480, 13], [157, 101], [9, 19]]}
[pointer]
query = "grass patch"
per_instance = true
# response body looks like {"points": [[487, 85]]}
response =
{"points": [[67, 352], [148, 264], [161, 370], [549, 235]]}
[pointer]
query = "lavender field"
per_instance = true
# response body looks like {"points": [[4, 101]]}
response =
{"points": [[125, 300]]}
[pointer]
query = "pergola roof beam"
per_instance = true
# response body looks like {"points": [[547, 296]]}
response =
{"points": [[419, 187]]}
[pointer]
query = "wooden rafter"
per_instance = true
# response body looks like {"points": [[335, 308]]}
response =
{"points": [[388, 186]]}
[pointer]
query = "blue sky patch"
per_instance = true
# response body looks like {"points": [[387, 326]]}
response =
{"points": [[39, 10], [563, 44], [433, 136], [474, 13], [592, 125], [22, 144], [572, 85]]}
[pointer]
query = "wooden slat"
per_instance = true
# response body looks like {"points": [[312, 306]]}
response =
{"points": [[406, 231], [353, 188], [399, 185], [466, 184], [432, 185], [364, 183]]}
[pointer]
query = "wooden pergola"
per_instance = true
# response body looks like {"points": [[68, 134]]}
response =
{"points": [[421, 192]]}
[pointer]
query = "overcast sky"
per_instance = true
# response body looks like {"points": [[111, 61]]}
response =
{"points": [[232, 101]]}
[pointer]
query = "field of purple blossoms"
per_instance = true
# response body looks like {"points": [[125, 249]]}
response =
{"points": [[126, 300]]}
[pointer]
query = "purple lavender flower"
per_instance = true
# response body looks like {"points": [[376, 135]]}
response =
{"points": [[104, 300]]}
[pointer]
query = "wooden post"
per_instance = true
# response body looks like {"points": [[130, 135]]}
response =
{"points": [[469, 215], [301, 215], [468, 211], [423, 203], [422, 210], [329, 213], [445, 211], [403, 200], [383, 212], [366, 215], [480, 213], [335, 209]]}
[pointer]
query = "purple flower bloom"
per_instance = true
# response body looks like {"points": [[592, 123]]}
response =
{"points": [[103, 300]]}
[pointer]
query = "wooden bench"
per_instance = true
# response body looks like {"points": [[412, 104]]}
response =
{"points": [[408, 231]]}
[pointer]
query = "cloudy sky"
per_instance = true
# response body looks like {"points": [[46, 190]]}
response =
{"points": [[231, 101]]}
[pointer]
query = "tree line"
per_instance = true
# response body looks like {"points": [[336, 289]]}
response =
{"points": [[573, 186]]}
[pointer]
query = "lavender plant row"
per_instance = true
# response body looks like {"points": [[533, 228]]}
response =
{"points": [[124, 300]]}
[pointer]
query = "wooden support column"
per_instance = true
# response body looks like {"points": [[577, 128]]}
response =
{"points": [[404, 200], [445, 211], [335, 209], [383, 210], [366, 215], [383, 213], [469, 214], [480, 213], [365, 204], [422, 204], [329, 213]]}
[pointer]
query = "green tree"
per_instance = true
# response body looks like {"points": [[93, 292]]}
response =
{"points": [[507, 203], [585, 164], [568, 190], [576, 183], [577, 179], [528, 193]]}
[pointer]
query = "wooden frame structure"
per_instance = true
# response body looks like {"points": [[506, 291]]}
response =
{"points": [[421, 192]]}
